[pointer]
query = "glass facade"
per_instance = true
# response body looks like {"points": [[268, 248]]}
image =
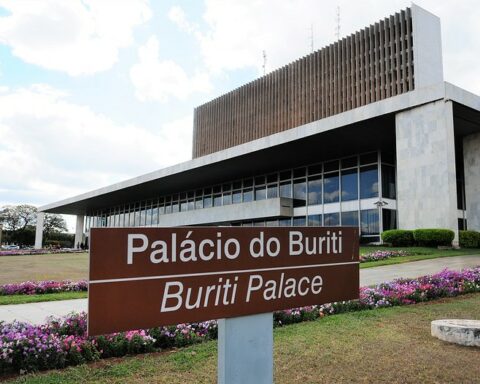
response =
{"points": [[315, 186]]}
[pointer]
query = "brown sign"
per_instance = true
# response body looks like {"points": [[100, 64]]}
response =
{"points": [[147, 277]]}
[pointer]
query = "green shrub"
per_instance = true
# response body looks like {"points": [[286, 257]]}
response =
{"points": [[469, 239], [433, 237], [398, 237]]}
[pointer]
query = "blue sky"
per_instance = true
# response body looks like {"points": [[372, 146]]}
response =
{"points": [[94, 92]]}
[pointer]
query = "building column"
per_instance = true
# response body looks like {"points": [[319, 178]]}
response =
{"points": [[79, 231], [39, 230], [426, 175], [471, 160]]}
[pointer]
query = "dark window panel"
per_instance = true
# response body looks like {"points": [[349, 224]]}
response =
{"points": [[315, 190], [314, 220], [388, 182], [369, 224], [349, 183], [389, 219], [368, 158], [350, 162], [331, 188], [272, 191], [368, 182], [330, 166], [350, 219], [331, 219]]}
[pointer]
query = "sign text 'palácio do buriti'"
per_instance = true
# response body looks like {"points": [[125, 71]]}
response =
{"points": [[147, 277]]}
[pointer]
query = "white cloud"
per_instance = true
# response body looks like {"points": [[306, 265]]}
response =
{"points": [[51, 149], [159, 80], [178, 17], [235, 33], [79, 37]]}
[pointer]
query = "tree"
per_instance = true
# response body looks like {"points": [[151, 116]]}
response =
{"points": [[53, 223], [27, 214], [18, 217]]}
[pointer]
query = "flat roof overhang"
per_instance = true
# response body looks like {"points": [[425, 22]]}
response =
{"points": [[366, 128]]}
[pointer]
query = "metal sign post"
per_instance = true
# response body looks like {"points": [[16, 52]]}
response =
{"points": [[245, 349]]}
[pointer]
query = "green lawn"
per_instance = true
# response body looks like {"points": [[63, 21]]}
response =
{"points": [[23, 299], [54, 266], [391, 345], [419, 253]]}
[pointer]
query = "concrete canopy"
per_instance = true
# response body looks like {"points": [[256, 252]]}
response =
{"points": [[365, 128]]}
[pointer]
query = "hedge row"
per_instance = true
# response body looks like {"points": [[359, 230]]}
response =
{"points": [[469, 239], [421, 237]]}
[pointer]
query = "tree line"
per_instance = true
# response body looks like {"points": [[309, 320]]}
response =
{"points": [[19, 227]]}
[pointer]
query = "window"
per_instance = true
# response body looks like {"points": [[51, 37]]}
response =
{"points": [[284, 222], [389, 219], [207, 201], [369, 222], [237, 197], [460, 194], [149, 216], [299, 172], [388, 157], [350, 219], [349, 162], [183, 206], [331, 188], [315, 190], [368, 182], [331, 166], [314, 220], [299, 221], [368, 158], [175, 207], [273, 178], [349, 185], [331, 219], [299, 192], [247, 195], [286, 189], [198, 202], [260, 192], [155, 216], [227, 198], [315, 169], [272, 191], [388, 181], [217, 200]]}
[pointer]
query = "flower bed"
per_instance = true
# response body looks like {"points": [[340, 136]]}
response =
{"points": [[26, 252], [63, 342], [382, 255], [40, 287]]}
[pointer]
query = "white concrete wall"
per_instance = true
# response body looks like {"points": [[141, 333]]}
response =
{"points": [[39, 230], [426, 176], [471, 158], [427, 48], [79, 231]]}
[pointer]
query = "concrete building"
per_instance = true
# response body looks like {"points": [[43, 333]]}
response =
{"points": [[363, 132]]}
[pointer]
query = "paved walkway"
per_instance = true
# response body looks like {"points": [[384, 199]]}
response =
{"points": [[37, 312]]}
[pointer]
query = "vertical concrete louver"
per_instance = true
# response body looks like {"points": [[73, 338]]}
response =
{"points": [[367, 66]]}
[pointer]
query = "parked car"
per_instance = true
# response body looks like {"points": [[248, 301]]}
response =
{"points": [[10, 247]]}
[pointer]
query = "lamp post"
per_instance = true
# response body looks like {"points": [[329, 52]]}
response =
{"points": [[380, 204]]}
